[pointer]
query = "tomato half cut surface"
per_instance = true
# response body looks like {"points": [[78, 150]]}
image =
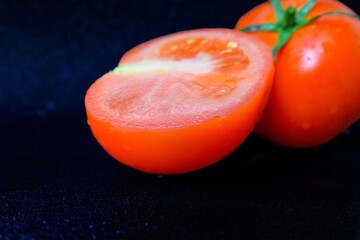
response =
{"points": [[181, 102]]}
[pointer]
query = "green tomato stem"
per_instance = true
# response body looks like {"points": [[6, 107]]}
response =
{"points": [[289, 18], [289, 21]]}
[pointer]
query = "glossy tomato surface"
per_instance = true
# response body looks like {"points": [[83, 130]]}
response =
{"points": [[316, 91], [181, 102]]}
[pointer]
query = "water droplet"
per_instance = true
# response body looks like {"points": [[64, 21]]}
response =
{"points": [[222, 90]]}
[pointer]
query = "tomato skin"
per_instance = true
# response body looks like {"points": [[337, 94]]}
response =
{"points": [[316, 91], [177, 150]]}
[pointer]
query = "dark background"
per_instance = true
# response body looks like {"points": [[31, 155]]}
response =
{"points": [[57, 183]]}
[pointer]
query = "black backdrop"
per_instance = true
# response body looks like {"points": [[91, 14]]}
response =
{"points": [[57, 183]]}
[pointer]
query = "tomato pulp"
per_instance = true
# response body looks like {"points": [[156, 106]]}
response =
{"points": [[316, 91], [181, 102]]}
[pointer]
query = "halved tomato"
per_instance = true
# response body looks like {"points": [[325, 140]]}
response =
{"points": [[181, 102]]}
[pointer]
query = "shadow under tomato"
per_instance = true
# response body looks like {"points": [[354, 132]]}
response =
{"points": [[261, 165], [328, 168], [260, 185]]}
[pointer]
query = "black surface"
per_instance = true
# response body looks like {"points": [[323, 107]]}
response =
{"points": [[57, 183]]}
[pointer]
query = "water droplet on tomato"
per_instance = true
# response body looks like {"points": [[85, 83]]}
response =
{"points": [[309, 59], [222, 90]]}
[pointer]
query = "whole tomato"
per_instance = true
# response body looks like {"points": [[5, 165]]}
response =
{"points": [[316, 91]]}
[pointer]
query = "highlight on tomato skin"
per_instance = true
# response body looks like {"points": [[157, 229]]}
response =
{"points": [[181, 102], [316, 90]]}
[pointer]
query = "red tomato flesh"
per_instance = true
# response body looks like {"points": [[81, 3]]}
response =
{"points": [[181, 102]]}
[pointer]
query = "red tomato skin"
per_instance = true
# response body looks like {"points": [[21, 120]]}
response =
{"points": [[316, 91]]}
